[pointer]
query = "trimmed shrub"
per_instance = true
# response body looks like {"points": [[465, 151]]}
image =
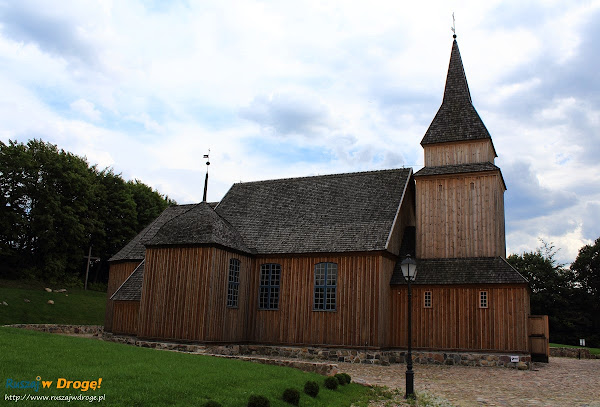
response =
{"points": [[258, 401], [348, 378], [331, 383], [212, 403], [341, 379], [311, 388], [291, 396]]}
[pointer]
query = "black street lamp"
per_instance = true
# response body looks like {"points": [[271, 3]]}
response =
{"points": [[409, 270]]}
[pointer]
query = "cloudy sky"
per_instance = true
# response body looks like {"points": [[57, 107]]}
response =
{"points": [[284, 89]]}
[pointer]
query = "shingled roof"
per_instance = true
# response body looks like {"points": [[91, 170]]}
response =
{"points": [[329, 213], [456, 119], [199, 225], [460, 169], [131, 289], [135, 249], [456, 168], [477, 270]]}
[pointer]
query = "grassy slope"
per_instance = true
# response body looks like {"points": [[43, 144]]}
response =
{"points": [[593, 351], [74, 307], [134, 376]]}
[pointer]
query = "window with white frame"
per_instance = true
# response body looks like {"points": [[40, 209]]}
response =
{"points": [[427, 299], [483, 299]]}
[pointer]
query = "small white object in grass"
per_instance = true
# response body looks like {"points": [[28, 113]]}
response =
{"points": [[50, 302]]}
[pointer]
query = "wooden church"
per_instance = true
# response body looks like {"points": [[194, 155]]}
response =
{"points": [[316, 260]]}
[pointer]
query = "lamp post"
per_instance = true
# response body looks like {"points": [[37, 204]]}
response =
{"points": [[409, 271]]}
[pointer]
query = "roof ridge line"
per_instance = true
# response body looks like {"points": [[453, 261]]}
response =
{"points": [[325, 175]]}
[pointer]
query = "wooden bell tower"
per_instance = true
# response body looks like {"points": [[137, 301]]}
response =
{"points": [[459, 191]]}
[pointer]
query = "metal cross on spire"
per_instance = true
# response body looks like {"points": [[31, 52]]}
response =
{"points": [[206, 178], [453, 28]]}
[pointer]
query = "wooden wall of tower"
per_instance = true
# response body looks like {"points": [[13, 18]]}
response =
{"points": [[477, 151], [455, 320], [460, 215]]}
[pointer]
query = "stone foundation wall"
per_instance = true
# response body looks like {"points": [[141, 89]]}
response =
{"points": [[96, 330], [379, 357], [579, 353], [240, 352], [387, 357]]}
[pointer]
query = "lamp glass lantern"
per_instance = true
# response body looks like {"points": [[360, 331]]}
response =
{"points": [[409, 268]]}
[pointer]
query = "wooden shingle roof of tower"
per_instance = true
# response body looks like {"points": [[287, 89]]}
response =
{"points": [[456, 119], [477, 270], [460, 169]]}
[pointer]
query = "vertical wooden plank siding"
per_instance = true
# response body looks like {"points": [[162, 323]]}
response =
{"points": [[459, 153], [184, 295], [385, 301], [126, 317], [455, 321], [460, 216], [357, 320], [117, 274]]}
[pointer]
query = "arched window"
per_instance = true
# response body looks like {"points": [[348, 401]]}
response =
{"points": [[233, 283], [270, 276], [325, 286]]}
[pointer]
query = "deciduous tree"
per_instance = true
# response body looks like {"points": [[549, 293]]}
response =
{"points": [[54, 205]]}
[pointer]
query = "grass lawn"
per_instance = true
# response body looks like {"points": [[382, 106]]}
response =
{"points": [[593, 351], [76, 306], [133, 376]]}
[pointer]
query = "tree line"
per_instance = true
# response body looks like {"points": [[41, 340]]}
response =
{"points": [[570, 296], [54, 205]]}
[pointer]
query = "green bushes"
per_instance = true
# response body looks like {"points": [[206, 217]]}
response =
{"points": [[311, 388], [258, 401], [291, 396], [331, 383], [343, 378]]}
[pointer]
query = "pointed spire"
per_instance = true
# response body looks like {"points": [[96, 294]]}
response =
{"points": [[457, 88], [456, 119]]}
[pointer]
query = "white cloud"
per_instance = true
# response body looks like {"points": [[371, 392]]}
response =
{"points": [[299, 113], [352, 86], [86, 108]]}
